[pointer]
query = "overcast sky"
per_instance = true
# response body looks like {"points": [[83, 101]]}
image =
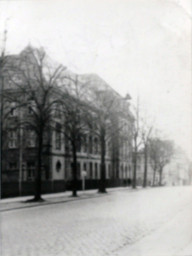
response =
{"points": [[142, 47]]}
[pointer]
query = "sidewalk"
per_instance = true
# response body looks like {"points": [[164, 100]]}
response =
{"points": [[21, 202]]}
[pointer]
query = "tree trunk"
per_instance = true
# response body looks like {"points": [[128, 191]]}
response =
{"points": [[74, 167], [154, 177], [102, 183], [39, 169], [134, 185], [160, 176], [145, 167]]}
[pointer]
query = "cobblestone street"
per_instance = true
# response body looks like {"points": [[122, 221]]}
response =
{"points": [[147, 222]]}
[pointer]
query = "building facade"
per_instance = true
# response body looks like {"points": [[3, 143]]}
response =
{"points": [[20, 146]]}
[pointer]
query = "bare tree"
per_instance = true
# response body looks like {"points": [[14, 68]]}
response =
{"points": [[74, 110], [103, 123], [33, 87], [137, 141], [161, 152], [146, 134], [154, 158]]}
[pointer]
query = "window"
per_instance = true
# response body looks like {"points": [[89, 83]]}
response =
{"points": [[58, 136], [129, 171], [13, 110], [30, 170], [108, 148], [96, 146], [12, 166], [58, 166], [31, 139], [117, 174], [122, 172], [90, 145], [84, 167], [84, 143], [67, 145], [57, 111], [122, 149], [79, 144], [31, 107], [12, 139], [126, 172], [90, 170], [96, 171]]}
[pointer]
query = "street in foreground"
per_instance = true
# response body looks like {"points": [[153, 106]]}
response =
{"points": [[151, 222]]}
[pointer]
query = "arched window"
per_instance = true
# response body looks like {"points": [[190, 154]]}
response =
{"points": [[122, 172], [58, 166], [79, 144], [90, 145], [13, 110], [96, 171], [126, 172], [58, 136], [96, 146], [90, 170]]}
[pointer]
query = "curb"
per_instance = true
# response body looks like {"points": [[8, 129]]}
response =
{"points": [[20, 203]]}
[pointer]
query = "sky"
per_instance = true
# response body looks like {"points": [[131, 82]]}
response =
{"points": [[140, 47]]}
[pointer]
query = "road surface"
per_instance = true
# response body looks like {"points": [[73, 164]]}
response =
{"points": [[150, 222]]}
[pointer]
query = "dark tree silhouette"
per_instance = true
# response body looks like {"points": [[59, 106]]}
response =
{"points": [[103, 122], [74, 109], [32, 81]]}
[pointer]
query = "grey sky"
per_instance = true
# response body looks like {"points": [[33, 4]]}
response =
{"points": [[137, 46]]}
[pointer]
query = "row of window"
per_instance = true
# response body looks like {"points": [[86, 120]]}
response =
{"points": [[88, 144], [14, 110], [28, 170], [29, 167], [92, 170], [13, 141]]}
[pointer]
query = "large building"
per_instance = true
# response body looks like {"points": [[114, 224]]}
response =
{"points": [[19, 143]]}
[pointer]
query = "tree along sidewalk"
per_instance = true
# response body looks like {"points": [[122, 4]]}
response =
{"points": [[23, 202]]}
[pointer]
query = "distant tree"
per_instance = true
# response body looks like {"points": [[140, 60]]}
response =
{"points": [[33, 87], [154, 157], [141, 134], [161, 152], [137, 141], [103, 124], [146, 134]]}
